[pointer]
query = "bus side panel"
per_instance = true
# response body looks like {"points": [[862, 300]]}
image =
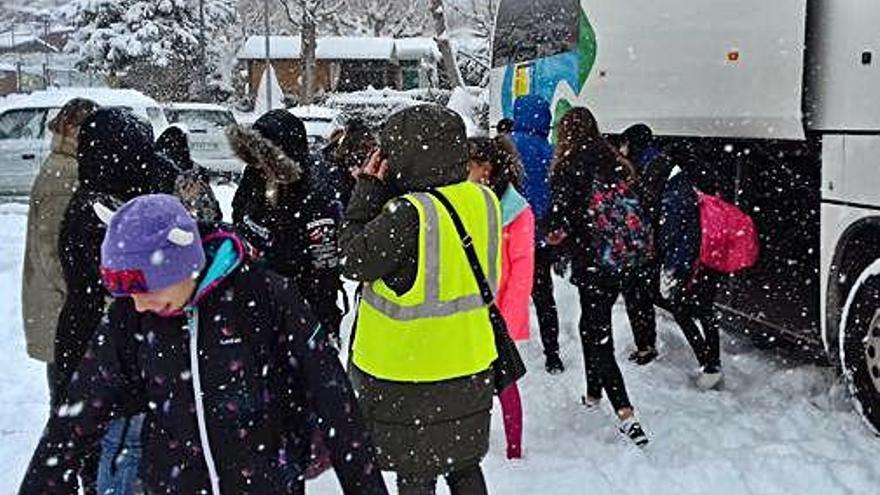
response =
{"points": [[843, 57], [708, 68]]}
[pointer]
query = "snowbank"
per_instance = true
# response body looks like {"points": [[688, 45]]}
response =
{"points": [[774, 429]]}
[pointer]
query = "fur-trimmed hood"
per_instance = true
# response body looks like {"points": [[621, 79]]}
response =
{"points": [[263, 155]]}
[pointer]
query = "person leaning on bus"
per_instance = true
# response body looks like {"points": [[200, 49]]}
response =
{"points": [[423, 345]]}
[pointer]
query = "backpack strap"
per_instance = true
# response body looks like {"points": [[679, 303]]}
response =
{"points": [[468, 246]]}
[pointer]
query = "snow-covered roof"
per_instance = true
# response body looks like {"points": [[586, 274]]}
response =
{"points": [[329, 48], [8, 40], [340, 48], [53, 98], [417, 49]]}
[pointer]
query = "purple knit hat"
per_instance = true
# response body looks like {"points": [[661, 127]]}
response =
{"points": [[151, 243]]}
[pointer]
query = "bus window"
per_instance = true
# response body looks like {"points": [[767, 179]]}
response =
{"points": [[530, 29]]}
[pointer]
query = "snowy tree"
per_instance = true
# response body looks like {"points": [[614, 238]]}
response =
{"points": [[471, 24], [17, 12], [441, 29], [306, 15], [394, 18], [149, 45]]}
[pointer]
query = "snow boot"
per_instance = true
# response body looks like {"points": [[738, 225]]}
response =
{"points": [[710, 378], [631, 429], [590, 403], [554, 364], [643, 357]]}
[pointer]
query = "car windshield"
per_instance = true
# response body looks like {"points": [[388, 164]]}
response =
{"points": [[201, 119], [25, 123]]}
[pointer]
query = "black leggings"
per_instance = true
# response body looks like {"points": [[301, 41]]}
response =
{"points": [[638, 294], [597, 339], [466, 481], [696, 304], [706, 344], [545, 303]]}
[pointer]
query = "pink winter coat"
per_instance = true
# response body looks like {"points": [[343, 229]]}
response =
{"points": [[517, 263]]}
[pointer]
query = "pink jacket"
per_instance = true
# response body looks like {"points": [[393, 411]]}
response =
{"points": [[517, 263]]}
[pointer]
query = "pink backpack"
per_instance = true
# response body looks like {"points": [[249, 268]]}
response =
{"points": [[729, 237]]}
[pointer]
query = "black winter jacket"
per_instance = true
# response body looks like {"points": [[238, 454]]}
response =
{"points": [[298, 238], [261, 365], [654, 170], [116, 161], [284, 209]]}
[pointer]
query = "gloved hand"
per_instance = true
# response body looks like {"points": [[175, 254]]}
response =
{"points": [[668, 283]]}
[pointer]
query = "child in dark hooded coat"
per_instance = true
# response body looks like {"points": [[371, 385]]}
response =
{"points": [[192, 186], [283, 209], [223, 356]]}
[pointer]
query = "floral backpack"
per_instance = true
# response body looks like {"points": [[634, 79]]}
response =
{"points": [[622, 237]]}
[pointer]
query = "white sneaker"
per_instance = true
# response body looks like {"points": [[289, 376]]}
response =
{"points": [[708, 381], [631, 429]]}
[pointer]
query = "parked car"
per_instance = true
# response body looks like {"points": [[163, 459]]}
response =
{"points": [[206, 125], [25, 140], [320, 121]]}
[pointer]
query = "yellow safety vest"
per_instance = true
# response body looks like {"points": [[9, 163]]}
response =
{"points": [[440, 328]]}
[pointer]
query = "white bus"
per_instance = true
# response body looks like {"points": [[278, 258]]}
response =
{"points": [[773, 104]]}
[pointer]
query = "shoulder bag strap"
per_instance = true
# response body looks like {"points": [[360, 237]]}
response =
{"points": [[468, 246]]}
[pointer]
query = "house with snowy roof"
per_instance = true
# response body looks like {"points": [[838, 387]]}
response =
{"points": [[344, 64], [32, 57]]}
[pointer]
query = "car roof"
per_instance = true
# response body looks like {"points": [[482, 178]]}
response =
{"points": [[55, 98], [196, 106]]}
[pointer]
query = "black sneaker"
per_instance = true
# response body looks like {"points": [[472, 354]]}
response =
{"points": [[554, 364], [631, 428], [642, 358]]}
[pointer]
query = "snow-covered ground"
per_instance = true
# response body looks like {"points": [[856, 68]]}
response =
{"points": [[774, 429]]}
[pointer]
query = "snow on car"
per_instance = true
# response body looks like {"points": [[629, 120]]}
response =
{"points": [[25, 140], [320, 122], [206, 125]]}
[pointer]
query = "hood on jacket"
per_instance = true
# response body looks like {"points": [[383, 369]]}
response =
{"points": [[263, 154], [174, 144], [116, 155], [512, 205], [639, 138], [531, 115], [426, 146], [226, 252]]}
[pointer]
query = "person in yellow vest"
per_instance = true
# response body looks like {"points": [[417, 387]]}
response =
{"points": [[423, 346]]}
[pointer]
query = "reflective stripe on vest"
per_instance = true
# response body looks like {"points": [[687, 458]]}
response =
{"points": [[433, 307], [438, 329]]}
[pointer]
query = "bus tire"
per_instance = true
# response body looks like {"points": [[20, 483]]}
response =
{"points": [[859, 345]]}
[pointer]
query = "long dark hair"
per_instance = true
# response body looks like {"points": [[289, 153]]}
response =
{"points": [[501, 154], [579, 131]]}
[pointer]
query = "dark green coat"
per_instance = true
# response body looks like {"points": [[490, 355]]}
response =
{"points": [[419, 428]]}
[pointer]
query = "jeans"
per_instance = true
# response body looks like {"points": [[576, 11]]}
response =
{"points": [[121, 458]]}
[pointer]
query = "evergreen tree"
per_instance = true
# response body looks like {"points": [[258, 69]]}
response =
{"points": [[149, 45]]}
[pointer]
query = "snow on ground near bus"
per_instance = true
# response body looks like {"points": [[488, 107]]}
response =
{"points": [[774, 429]]}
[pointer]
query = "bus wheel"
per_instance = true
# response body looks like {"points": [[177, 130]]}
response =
{"points": [[860, 345]]}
